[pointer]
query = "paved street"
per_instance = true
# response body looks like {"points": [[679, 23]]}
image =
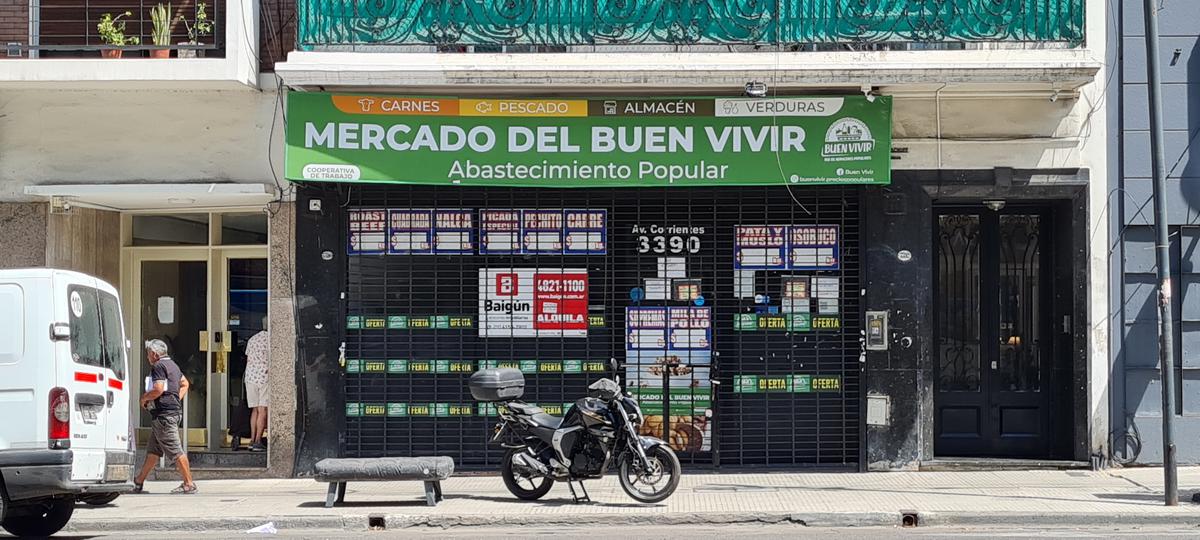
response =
{"points": [[752, 532], [1119, 498]]}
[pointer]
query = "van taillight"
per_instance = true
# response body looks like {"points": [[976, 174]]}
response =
{"points": [[60, 418]]}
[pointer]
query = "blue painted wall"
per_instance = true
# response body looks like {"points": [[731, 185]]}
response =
{"points": [[1136, 385]]}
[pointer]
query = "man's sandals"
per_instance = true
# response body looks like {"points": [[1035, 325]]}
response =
{"points": [[184, 489]]}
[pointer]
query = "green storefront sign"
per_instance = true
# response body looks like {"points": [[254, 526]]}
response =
{"points": [[563, 142], [793, 382]]}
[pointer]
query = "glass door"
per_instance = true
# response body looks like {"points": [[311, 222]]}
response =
{"points": [[198, 282], [172, 305], [245, 284]]}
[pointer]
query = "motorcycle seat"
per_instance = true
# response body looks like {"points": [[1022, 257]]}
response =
{"points": [[524, 409], [536, 414], [546, 421]]}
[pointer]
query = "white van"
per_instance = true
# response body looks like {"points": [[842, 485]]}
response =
{"points": [[64, 398]]}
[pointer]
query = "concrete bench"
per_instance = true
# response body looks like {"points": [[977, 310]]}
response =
{"points": [[431, 470]]}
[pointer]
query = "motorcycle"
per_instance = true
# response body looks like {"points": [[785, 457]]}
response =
{"points": [[598, 433]]}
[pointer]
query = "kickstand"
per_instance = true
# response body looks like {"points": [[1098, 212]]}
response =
{"points": [[586, 497]]}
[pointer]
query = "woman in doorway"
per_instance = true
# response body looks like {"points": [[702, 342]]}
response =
{"points": [[258, 351]]}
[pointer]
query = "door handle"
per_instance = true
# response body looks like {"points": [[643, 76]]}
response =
{"points": [[110, 399]]}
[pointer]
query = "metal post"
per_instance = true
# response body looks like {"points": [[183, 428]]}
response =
{"points": [[1166, 323]]}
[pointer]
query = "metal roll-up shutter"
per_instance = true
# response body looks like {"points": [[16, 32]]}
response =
{"points": [[786, 396]]}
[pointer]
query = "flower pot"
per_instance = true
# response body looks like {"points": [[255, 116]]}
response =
{"points": [[186, 53], [110, 53], [160, 53]]}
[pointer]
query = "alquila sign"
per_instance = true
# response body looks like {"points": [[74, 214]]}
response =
{"points": [[588, 142]]}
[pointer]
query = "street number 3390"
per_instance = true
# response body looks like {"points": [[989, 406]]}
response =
{"points": [[671, 244]]}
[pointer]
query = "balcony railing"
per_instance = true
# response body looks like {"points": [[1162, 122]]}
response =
{"points": [[67, 28], [55, 43], [783, 24]]}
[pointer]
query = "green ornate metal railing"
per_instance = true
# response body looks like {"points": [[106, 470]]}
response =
{"points": [[340, 23]]}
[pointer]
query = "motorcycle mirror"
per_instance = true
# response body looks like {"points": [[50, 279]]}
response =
{"points": [[612, 363]]}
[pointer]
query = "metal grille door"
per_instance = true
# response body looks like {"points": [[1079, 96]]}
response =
{"points": [[734, 313]]}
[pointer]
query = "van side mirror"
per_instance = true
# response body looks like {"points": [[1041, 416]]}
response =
{"points": [[60, 331]]}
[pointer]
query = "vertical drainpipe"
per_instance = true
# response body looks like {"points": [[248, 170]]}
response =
{"points": [[35, 24]]}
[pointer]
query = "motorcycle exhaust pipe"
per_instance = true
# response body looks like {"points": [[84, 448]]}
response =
{"points": [[529, 466]]}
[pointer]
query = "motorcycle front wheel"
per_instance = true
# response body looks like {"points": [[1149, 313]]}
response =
{"points": [[523, 487], [656, 483]]}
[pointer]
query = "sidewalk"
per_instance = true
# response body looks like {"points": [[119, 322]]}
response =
{"points": [[1011, 498]]}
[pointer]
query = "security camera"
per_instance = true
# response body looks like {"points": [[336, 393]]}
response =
{"points": [[756, 89], [866, 91]]}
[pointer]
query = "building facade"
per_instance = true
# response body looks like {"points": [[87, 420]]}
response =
{"points": [[946, 301], [1136, 388]]}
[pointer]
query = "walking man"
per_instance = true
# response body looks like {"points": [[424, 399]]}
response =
{"points": [[258, 352], [164, 400]]}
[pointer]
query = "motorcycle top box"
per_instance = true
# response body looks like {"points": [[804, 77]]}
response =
{"points": [[497, 384]]}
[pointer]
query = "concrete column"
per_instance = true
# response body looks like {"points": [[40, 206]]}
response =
{"points": [[281, 421], [85, 240], [22, 234]]}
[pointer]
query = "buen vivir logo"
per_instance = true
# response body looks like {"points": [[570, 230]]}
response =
{"points": [[848, 137]]}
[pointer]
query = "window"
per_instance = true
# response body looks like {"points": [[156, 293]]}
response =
{"points": [[243, 229], [86, 342], [96, 336], [114, 338], [176, 230]]}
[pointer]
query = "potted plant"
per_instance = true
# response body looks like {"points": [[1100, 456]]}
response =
{"points": [[197, 29], [112, 32], [160, 18]]}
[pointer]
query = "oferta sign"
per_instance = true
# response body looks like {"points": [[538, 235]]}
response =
{"points": [[588, 142]]}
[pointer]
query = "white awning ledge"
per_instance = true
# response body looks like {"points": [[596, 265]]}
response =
{"points": [[1064, 69], [160, 197]]}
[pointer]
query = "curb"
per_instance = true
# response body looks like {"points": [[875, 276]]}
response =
{"points": [[361, 522], [1073, 519]]}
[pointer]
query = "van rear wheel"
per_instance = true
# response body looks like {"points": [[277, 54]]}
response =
{"points": [[41, 519], [99, 499]]}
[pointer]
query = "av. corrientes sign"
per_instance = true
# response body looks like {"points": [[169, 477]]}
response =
{"points": [[553, 142]]}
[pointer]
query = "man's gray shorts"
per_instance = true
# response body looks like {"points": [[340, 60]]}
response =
{"points": [[164, 437]]}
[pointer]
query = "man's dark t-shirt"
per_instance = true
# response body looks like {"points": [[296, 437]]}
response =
{"points": [[166, 370]]}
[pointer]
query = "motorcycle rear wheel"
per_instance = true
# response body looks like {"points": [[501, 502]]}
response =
{"points": [[524, 488], [665, 466]]}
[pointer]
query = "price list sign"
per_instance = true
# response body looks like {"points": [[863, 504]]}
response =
{"points": [[541, 231], [453, 232], [410, 232], [585, 232], [690, 328], [760, 247], [813, 247], [499, 231], [368, 232], [646, 328]]}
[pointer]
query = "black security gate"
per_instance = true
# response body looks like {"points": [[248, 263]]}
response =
{"points": [[756, 365]]}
